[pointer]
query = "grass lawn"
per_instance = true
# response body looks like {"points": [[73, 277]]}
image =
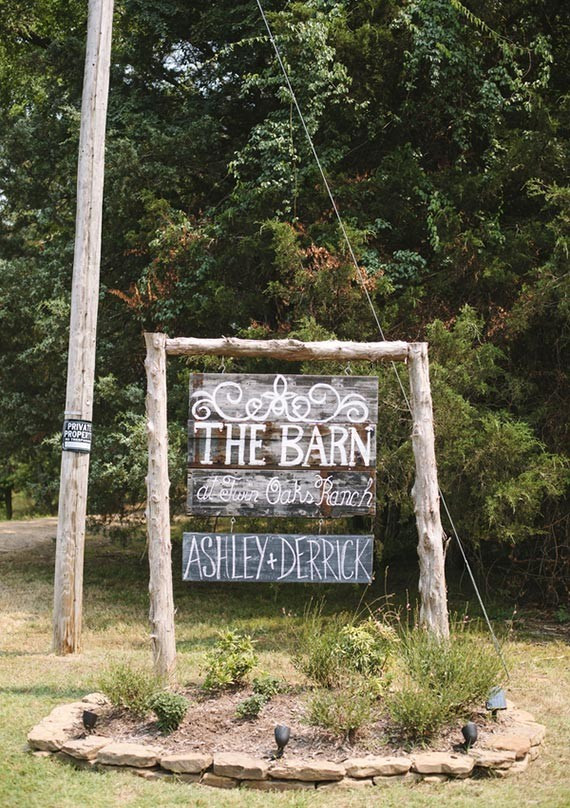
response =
{"points": [[32, 681]]}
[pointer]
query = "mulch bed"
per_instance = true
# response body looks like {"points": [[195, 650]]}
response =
{"points": [[211, 725]]}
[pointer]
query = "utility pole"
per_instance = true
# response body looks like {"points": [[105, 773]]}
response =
{"points": [[68, 585]]}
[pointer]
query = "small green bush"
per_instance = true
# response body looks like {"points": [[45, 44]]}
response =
{"points": [[268, 686], [169, 708], [345, 709], [264, 688], [129, 687], [441, 680], [230, 660], [329, 647], [251, 707]]}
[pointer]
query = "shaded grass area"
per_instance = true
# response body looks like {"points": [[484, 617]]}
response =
{"points": [[32, 681]]}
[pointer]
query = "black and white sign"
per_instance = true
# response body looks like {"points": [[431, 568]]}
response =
{"points": [[76, 436], [282, 445], [288, 558]]}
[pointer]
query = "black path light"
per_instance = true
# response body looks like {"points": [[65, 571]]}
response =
{"points": [[469, 732], [282, 735], [89, 719]]}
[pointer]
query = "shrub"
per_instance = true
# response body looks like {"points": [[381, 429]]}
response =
{"points": [[129, 687], [169, 708], [327, 648], [251, 707], [442, 679], [230, 660], [345, 709], [264, 688]]}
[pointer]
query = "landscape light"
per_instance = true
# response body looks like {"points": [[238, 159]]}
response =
{"points": [[89, 719], [497, 700], [469, 732], [282, 735]]}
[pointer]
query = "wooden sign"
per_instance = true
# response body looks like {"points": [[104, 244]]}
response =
{"points": [[274, 445], [288, 558]]}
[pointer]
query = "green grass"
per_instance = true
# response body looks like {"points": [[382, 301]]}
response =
{"points": [[32, 681]]}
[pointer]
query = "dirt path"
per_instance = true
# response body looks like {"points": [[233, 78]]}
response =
{"points": [[16, 536]]}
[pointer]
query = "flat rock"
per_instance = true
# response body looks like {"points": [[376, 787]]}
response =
{"points": [[311, 770], [435, 778], [152, 774], [216, 781], [276, 785], [410, 777], [96, 700], [442, 763], [186, 762], [77, 763], [518, 767], [48, 737], [349, 783], [519, 744], [243, 767], [520, 716], [85, 748], [372, 766], [535, 732], [488, 759], [128, 754]]}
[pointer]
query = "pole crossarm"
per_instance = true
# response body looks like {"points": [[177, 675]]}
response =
{"points": [[290, 349]]}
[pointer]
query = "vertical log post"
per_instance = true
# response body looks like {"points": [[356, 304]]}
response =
{"points": [[425, 493], [68, 581], [158, 512]]}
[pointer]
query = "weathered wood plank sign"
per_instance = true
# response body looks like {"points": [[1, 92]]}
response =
{"points": [[283, 558], [277, 445]]}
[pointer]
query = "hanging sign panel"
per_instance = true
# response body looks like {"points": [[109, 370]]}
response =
{"points": [[288, 558], [274, 445]]}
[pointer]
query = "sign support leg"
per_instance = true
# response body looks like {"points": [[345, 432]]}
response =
{"points": [[425, 493], [158, 511]]}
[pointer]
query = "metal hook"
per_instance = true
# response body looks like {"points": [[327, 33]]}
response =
{"points": [[232, 523], [321, 522], [347, 369]]}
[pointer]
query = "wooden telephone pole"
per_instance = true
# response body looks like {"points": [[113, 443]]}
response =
{"points": [[68, 586]]}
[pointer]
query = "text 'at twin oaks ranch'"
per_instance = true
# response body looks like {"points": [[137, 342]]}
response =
{"points": [[288, 446]]}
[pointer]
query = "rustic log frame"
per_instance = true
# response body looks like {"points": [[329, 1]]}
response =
{"points": [[425, 492]]}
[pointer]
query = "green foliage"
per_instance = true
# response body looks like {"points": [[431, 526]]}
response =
{"points": [[129, 686], [229, 662], [344, 709], [328, 647], [448, 159], [169, 708], [440, 680], [264, 688]]}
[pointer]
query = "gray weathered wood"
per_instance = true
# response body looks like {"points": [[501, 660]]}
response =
{"points": [[289, 349], [286, 558], [281, 493], [68, 580], [283, 398], [340, 446], [158, 512], [425, 493]]}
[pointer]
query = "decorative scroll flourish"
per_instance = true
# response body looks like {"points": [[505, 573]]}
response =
{"points": [[280, 404]]}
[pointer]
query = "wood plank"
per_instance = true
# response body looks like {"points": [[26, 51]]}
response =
{"points": [[289, 349], [259, 398], [213, 444], [287, 558], [281, 493]]}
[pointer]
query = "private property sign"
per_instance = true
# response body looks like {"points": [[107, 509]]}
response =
{"points": [[274, 445]]}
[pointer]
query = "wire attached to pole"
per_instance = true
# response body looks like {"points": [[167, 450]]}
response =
{"points": [[362, 281]]}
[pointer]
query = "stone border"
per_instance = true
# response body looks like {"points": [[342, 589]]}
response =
{"points": [[507, 752]]}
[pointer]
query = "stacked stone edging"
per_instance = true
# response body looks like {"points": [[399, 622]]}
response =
{"points": [[504, 753]]}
